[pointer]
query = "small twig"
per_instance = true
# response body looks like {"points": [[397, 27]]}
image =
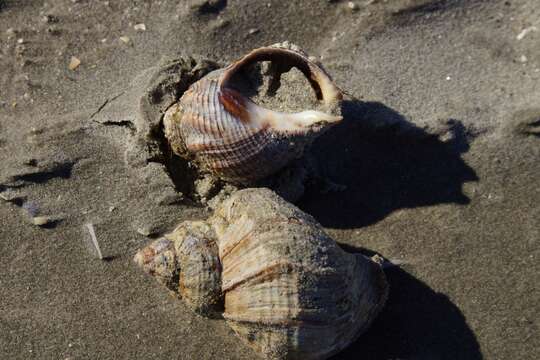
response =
{"points": [[93, 238], [105, 104]]}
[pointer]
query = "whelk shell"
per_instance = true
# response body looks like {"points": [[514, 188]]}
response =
{"points": [[284, 286], [231, 137]]}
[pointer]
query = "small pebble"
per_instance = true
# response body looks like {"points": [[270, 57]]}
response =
{"points": [[144, 231], [352, 6], [253, 31], [41, 220], [20, 41], [112, 208], [523, 59], [74, 63], [50, 19], [125, 39], [140, 27]]}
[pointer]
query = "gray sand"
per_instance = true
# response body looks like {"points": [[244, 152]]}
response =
{"points": [[439, 156]]}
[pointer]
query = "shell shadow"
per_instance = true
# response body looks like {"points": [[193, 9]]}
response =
{"points": [[416, 323], [386, 163]]}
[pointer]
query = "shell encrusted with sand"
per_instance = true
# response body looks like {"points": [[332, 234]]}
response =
{"points": [[227, 135], [281, 283]]}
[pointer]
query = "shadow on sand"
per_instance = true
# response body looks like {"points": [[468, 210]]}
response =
{"points": [[416, 323], [387, 163]]}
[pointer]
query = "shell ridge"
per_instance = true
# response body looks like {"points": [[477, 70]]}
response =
{"points": [[261, 274], [228, 135], [235, 237], [278, 322], [283, 285]]}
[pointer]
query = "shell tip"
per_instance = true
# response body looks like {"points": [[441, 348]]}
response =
{"points": [[159, 260]]}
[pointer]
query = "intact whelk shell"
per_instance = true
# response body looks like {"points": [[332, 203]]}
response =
{"points": [[285, 287], [228, 135]]}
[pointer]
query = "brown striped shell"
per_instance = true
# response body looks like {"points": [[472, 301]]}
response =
{"points": [[231, 137], [288, 290]]}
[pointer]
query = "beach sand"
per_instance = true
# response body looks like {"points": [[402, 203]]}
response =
{"points": [[439, 156]]}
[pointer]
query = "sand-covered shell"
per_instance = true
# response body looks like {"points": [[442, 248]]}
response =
{"points": [[186, 261], [287, 289], [226, 134]]}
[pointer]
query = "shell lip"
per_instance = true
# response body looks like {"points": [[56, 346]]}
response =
{"points": [[321, 82]]}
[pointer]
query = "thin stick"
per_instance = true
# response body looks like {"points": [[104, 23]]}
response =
{"points": [[93, 237]]}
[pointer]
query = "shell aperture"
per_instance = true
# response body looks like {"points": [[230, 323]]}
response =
{"points": [[226, 134]]}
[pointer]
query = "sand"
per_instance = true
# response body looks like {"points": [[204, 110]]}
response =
{"points": [[439, 157]]}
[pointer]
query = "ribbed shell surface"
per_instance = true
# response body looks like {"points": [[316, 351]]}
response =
{"points": [[223, 140], [290, 291], [199, 282]]}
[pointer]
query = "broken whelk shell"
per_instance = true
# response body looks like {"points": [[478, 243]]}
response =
{"points": [[282, 284], [226, 134]]}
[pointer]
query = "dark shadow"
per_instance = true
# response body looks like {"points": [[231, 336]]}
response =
{"points": [[416, 323], [528, 122], [18, 201], [386, 163], [212, 7], [533, 128], [51, 224], [110, 258], [61, 170]]}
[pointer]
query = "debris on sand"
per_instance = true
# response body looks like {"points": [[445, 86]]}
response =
{"points": [[93, 243], [125, 39], [8, 195], [140, 27], [525, 31], [74, 63], [49, 19], [42, 220], [144, 231]]}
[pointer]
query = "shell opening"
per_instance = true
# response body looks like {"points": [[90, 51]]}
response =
{"points": [[320, 81]]}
